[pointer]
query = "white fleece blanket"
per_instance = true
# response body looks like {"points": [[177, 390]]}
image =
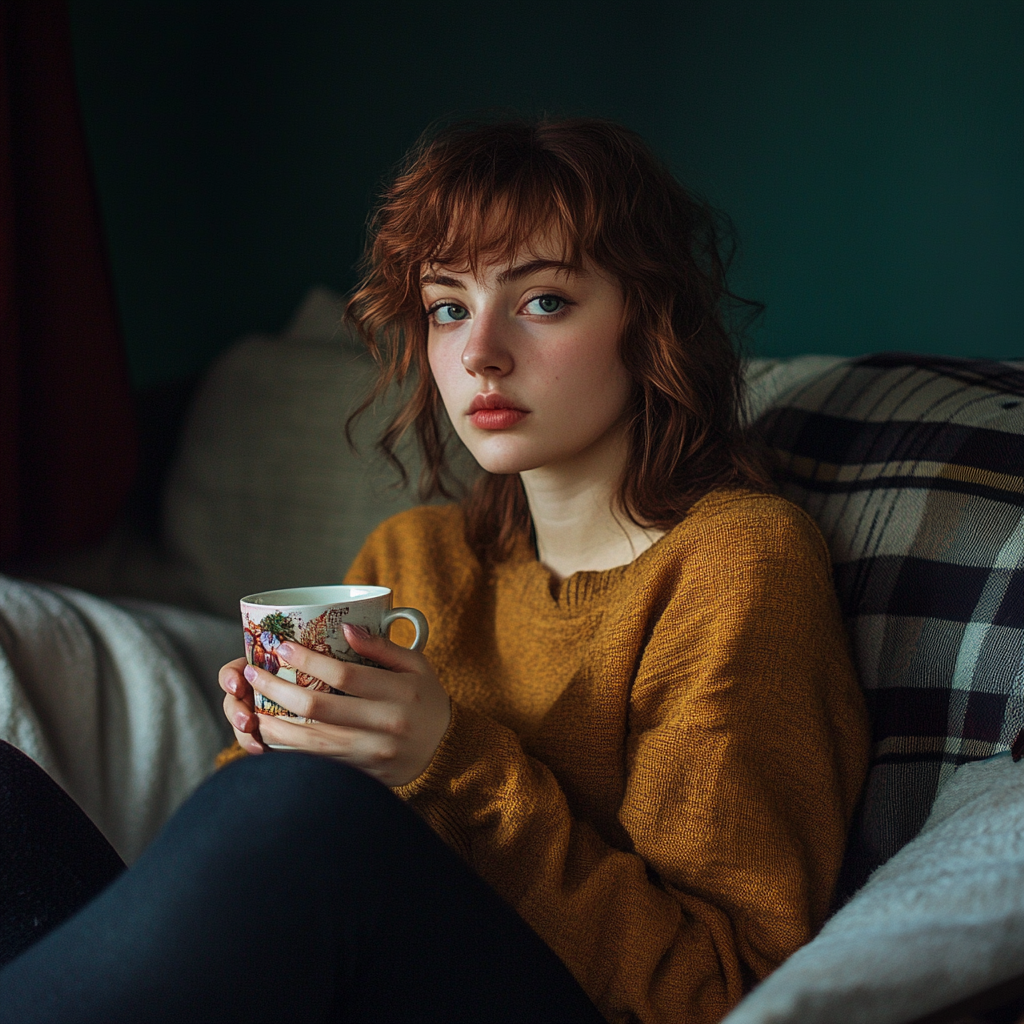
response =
{"points": [[119, 704], [940, 921]]}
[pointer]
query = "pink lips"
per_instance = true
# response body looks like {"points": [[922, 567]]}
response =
{"points": [[494, 412]]}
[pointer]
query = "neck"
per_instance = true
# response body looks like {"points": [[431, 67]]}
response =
{"points": [[577, 520]]}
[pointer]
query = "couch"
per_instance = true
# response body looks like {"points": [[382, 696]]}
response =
{"points": [[913, 466]]}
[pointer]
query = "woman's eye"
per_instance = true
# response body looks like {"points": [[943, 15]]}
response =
{"points": [[449, 313], [545, 305]]}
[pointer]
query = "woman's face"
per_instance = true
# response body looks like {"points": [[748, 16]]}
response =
{"points": [[526, 358]]}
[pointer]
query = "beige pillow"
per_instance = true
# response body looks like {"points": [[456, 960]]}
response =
{"points": [[265, 491]]}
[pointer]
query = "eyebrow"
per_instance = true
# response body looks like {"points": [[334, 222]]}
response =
{"points": [[507, 276]]}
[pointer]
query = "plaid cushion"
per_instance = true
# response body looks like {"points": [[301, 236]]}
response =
{"points": [[913, 467]]}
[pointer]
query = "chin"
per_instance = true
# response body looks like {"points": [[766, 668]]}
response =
{"points": [[502, 466], [502, 457]]}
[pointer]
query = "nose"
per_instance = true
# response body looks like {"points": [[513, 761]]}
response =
{"points": [[487, 353]]}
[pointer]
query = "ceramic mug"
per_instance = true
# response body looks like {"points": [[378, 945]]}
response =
{"points": [[313, 617]]}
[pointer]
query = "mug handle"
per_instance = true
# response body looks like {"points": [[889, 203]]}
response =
{"points": [[417, 618]]}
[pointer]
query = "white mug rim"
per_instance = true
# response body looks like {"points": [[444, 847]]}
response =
{"points": [[323, 596]]}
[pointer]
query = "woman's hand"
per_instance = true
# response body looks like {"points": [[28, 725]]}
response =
{"points": [[239, 708], [388, 722]]}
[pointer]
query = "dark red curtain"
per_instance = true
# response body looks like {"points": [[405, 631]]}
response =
{"points": [[67, 431]]}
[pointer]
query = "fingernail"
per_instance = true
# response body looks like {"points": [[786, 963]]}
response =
{"points": [[250, 673], [285, 650], [360, 631], [241, 721]]}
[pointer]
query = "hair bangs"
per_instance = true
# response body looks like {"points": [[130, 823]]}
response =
{"points": [[493, 221]]}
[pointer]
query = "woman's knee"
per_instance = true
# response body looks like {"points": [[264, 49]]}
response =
{"points": [[295, 783], [292, 799]]}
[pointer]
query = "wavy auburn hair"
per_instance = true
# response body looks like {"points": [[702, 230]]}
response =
{"points": [[477, 192]]}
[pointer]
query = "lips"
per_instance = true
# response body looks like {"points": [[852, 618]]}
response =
{"points": [[492, 411]]}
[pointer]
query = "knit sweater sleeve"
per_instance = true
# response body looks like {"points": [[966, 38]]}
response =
{"points": [[746, 749]]}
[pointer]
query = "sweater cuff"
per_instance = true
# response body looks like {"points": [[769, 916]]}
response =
{"points": [[441, 765]]}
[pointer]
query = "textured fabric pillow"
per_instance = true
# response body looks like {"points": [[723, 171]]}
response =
{"points": [[769, 380], [941, 921], [914, 469], [266, 492]]}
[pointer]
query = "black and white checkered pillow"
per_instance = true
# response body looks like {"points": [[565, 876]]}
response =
{"points": [[913, 467]]}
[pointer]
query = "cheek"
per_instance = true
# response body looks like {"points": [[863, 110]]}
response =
{"points": [[446, 368], [590, 378]]}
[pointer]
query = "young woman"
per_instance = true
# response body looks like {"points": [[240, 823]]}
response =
{"points": [[636, 720]]}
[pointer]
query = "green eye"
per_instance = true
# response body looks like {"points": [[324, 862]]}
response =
{"points": [[449, 313], [545, 305]]}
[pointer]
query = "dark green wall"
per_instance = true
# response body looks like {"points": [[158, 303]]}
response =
{"points": [[871, 153]]}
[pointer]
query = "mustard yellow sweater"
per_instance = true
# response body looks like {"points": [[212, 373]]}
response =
{"points": [[654, 764]]}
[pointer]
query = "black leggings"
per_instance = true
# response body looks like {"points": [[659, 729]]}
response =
{"points": [[288, 888]]}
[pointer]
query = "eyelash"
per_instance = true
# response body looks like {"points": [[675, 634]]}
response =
{"points": [[566, 304]]}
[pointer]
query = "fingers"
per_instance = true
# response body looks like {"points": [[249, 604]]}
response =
{"points": [[392, 735], [245, 724], [249, 743], [240, 713], [375, 753], [238, 706], [381, 650], [347, 676], [331, 708], [231, 679], [389, 656]]}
